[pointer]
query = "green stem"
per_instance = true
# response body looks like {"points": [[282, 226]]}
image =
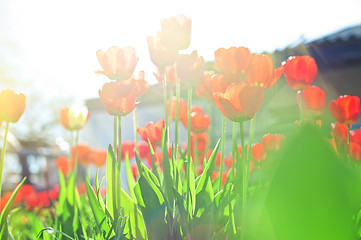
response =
{"points": [[189, 137], [177, 118], [3, 154], [349, 144], [301, 107], [234, 148], [244, 182], [195, 151], [165, 98], [222, 152], [115, 135], [119, 162], [76, 154], [135, 122]]}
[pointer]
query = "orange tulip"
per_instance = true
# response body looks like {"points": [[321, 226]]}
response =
{"points": [[118, 98], [169, 72], [355, 136], [272, 142], [159, 54], [12, 105], [199, 121], [97, 157], [117, 63], [345, 109], [190, 68], [182, 108], [355, 150], [63, 163], [212, 83], [258, 152], [153, 132], [240, 102], [202, 140], [261, 73], [314, 100], [232, 63], [300, 71], [141, 84], [176, 32]]}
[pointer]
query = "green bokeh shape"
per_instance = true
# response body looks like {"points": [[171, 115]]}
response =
{"points": [[311, 193]]}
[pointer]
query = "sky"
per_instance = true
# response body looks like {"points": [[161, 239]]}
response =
{"points": [[51, 45]]}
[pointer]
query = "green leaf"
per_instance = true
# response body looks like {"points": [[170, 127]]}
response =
{"points": [[130, 178], [208, 171], [168, 180], [311, 193], [98, 213], [135, 224], [110, 177], [153, 210], [154, 167], [4, 232]]}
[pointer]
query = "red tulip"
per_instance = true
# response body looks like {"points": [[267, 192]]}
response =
{"points": [[261, 72], [12, 105], [117, 63], [355, 136], [240, 102], [314, 100], [118, 98], [176, 32], [182, 109], [153, 132], [300, 71], [345, 109], [159, 54], [199, 121], [232, 63], [340, 133], [190, 68], [129, 148], [355, 150]]}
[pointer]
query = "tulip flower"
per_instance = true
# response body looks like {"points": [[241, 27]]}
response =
{"points": [[117, 63], [141, 84], [182, 109], [199, 121], [74, 118], [300, 71], [63, 163], [176, 32], [190, 68], [261, 72], [339, 132], [240, 102], [119, 99], [355, 136], [169, 72], [129, 148], [345, 109], [152, 132], [232, 63], [258, 152], [355, 150], [159, 54], [212, 83], [83, 152], [272, 142], [202, 140], [12, 105], [314, 100]]}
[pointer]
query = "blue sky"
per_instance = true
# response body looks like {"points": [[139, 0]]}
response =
{"points": [[51, 45]]}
